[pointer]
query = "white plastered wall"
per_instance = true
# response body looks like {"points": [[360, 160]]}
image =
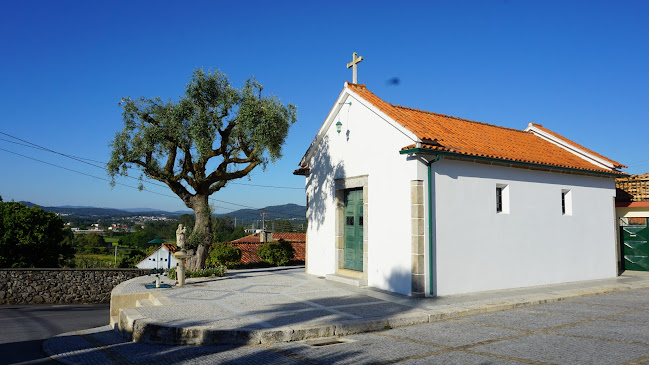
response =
{"points": [[641, 212], [159, 259], [366, 146], [478, 249]]}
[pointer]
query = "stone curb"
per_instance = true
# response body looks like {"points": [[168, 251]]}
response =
{"points": [[134, 326]]}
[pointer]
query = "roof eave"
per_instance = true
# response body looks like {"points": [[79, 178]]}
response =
{"points": [[426, 151], [572, 147]]}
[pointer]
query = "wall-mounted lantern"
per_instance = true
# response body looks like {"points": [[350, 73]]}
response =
{"points": [[339, 126]]}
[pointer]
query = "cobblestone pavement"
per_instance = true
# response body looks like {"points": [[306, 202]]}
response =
{"points": [[285, 304], [611, 328]]}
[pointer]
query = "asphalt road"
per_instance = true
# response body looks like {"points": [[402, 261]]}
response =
{"points": [[24, 327], [602, 329]]}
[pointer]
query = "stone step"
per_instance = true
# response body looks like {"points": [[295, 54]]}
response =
{"points": [[143, 303], [347, 280]]}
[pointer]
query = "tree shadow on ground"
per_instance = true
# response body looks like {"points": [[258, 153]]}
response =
{"points": [[310, 308]]}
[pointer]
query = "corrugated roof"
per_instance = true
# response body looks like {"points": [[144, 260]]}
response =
{"points": [[467, 137]]}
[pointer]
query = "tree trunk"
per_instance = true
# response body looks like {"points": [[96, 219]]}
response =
{"points": [[203, 231]]}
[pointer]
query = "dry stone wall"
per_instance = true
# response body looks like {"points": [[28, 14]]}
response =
{"points": [[61, 286]]}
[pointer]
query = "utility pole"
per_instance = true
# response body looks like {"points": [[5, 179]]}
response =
{"points": [[263, 219]]}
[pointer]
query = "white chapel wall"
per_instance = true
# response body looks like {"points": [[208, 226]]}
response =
{"points": [[366, 145], [478, 249]]}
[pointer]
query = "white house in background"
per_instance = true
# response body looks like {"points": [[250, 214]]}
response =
{"points": [[427, 204], [162, 258]]}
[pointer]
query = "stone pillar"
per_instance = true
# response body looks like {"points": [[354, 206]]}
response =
{"points": [[418, 271], [181, 256]]}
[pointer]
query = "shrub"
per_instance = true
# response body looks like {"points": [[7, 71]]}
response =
{"points": [[222, 254], [209, 271], [132, 258], [276, 253]]}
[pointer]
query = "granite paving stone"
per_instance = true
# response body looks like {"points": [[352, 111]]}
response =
{"points": [[576, 309], [638, 316], [377, 310], [357, 349], [460, 358], [335, 298], [610, 330], [281, 304], [522, 320], [452, 333], [303, 318], [565, 350], [617, 299]]}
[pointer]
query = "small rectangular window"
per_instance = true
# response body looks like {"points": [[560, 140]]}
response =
{"points": [[566, 202], [502, 199], [499, 199], [350, 220]]}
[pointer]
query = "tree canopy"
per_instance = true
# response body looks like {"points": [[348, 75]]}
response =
{"points": [[32, 237], [213, 134]]}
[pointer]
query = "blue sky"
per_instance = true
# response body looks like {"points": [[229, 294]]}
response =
{"points": [[577, 67]]}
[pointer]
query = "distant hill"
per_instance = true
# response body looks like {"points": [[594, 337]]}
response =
{"points": [[286, 211], [82, 211]]}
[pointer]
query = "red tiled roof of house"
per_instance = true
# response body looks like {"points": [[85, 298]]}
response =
{"points": [[171, 248], [250, 243], [467, 137], [286, 236]]}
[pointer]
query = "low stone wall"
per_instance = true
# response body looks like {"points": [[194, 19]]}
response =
{"points": [[61, 286]]}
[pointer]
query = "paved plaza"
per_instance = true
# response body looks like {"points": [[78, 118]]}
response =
{"points": [[599, 322]]}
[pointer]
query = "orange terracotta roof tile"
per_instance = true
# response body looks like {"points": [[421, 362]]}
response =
{"points": [[171, 248], [286, 236], [617, 164], [466, 137]]}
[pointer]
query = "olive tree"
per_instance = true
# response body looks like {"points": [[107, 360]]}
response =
{"points": [[213, 134]]}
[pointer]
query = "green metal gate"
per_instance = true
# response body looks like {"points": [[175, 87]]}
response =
{"points": [[353, 230], [635, 240]]}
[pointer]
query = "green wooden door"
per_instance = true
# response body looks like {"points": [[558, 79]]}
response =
{"points": [[353, 233], [635, 237]]}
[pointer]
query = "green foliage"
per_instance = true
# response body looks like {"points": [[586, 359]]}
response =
{"points": [[276, 253], [91, 243], [219, 271], [285, 225], [222, 254], [197, 238], [138, 239], [31, 237], [234, 130], [131, 259], [225, 231], [94, 261], [186, 220]]}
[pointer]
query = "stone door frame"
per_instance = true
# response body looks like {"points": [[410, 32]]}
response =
{"points": [[341, 185]]}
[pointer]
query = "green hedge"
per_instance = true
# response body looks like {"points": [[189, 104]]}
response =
{"points": [[276, 253], [209, 271]]}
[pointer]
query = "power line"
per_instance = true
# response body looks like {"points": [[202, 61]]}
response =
{"points": [[135, 187], [84, 160], [30, 144], [81, 173]]}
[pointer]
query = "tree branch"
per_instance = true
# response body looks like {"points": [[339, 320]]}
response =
{"points": [[222, 178], [171, 159]]}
